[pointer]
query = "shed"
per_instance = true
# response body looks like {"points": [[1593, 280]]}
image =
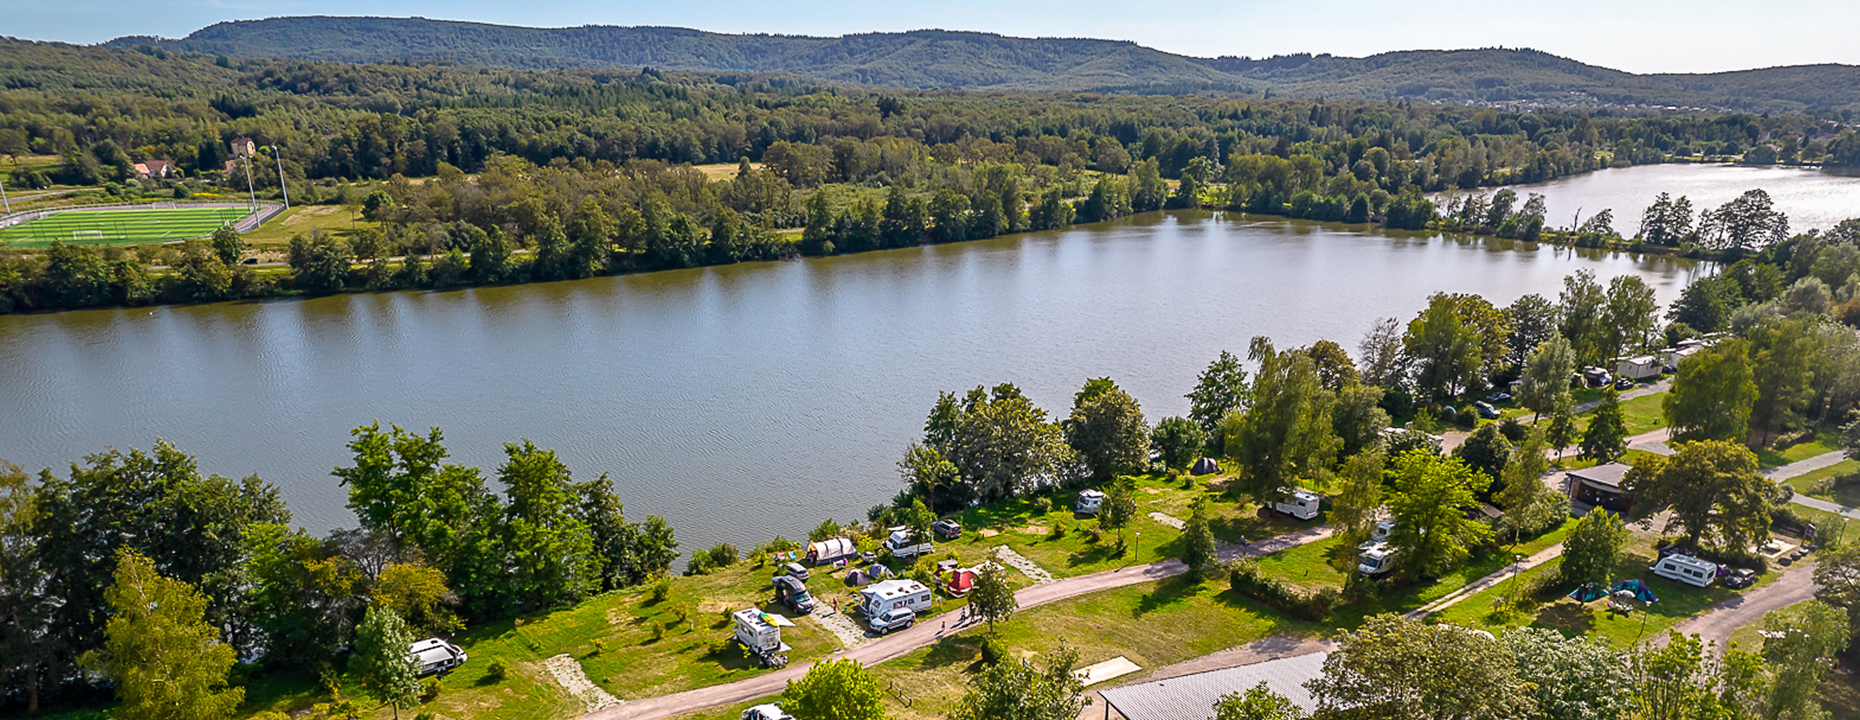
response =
{"points": [[1600, 486], [1205, 466], [1193, 696], [829, 550]]}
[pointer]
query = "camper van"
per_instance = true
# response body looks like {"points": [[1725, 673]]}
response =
{"points": [[1089, 502], [1686, 569], [903, 544], [792, 592], [760, 637], [890, 594], [1303, 505], [1378, 535], [1377, 560], [770, 711], [434, 655]]}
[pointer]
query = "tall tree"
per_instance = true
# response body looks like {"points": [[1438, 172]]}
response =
{"points": [[992, 597], [1429, 499], [1782, 363], [26, 640], [1712, 394], [1358, 418], [1179, 441], [1003, 442], [1545, 381], [388, 669], [1221, 389], [1562, 431], [1108, 433], [1396, 669], [1285, 434], [550, 553], [1358, 501], [1799, 644], [924, 469], [1446, 351], [1837, 579], [1606, 437], [1486, 451], [1385, 359], [836, 690], [1334, 367], [1198, 548], [1593, 549], [1583, 305], [1629, 317], [1533, 321], [1025, 691], [1712, 488], [1579, 678], [166, 659]]}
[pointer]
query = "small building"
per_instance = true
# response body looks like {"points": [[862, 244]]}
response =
{"points": [[1193, 696], [1600, 486], [1638, 367], [153, 169], [244, 147]]}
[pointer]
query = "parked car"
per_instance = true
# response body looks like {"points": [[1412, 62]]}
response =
{"points": [[794, 570], [892, 620], [1740, 579], [793, 593], [1498, 397], [1624, 384], [946, 530], [770, 711], [1486, 410]]}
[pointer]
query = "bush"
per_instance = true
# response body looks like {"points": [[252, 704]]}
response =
{"points": [[661, 590], [1246, 579], [1512, 430], [993, 649], [497, 671], [429, 690], [425, 716], [1058, 531], [782, 544], [699, 564], [723, 555]]}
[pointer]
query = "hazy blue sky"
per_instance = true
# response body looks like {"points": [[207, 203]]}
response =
{"points": [[1640, 36]]}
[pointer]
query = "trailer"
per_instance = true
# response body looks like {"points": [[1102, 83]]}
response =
{"points": [[434, 655], [760, 638], [1686, 569], [827, 551], [1303, 505], [879, 597]]}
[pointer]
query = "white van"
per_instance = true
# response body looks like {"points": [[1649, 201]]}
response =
{"points": [[1377, 560], [1303, 505], [892, 594], [903, 544], [434, 655], [1378, 535], [1686, 569], [1089, 502]]}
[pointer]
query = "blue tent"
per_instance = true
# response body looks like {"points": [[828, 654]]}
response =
{"points": [[1640, 590], [1587, 592]]}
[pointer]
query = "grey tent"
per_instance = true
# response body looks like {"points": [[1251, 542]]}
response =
{"points": [[878, 571], [1206, 466], [857, 577]]}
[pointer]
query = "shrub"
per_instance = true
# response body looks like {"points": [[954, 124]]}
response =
{"points": [[429, 690], [993, 649], [782, 544], [496, 671], [723, 555], [425, 716], [1094, 535], [661, 590], [1512, 430], [699, 564], [1246, 579], [1058, 531]]}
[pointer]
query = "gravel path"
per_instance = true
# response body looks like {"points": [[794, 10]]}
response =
{"points": [[905, 641], [1716, 625], [842, 627], [1031, 569], [568, 672], [1167, 519], [1476, 586]]}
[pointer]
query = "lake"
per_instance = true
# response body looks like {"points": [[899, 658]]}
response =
{"points": [[1811, 198], [741, 401]]}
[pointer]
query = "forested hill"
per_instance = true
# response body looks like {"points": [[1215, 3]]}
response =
{"points": [[981, 61]]}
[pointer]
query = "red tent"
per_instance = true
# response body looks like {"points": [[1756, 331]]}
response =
{"points": [[960, 581]]}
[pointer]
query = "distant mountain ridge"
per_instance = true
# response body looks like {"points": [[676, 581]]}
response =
{"points": [[924, 59]]}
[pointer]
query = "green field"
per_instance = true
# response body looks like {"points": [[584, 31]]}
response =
{"points": [[122, 227]]}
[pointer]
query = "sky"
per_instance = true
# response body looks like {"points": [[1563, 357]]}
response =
{"points": [[1635, 35]]}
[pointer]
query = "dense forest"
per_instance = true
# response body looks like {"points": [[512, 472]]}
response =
{"points": [[971, 61]]}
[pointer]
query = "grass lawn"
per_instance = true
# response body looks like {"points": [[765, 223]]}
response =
{"points": [[1824, 442], [1643, 414], [1027, 526], [121, 227], [1677, 602], [1845, 488], [302, 219]]}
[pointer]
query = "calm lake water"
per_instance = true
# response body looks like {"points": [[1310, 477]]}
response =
{"points": [[1811, 198], [742, 401]]}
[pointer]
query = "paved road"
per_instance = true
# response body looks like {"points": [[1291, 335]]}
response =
{"points": [[1716, 625], [906, 641], [1477, 586], [1663, 385], [1804, 467]]}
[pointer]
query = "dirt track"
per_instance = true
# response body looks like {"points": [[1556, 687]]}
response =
{"points": [[928, 633], [1716, 625]]}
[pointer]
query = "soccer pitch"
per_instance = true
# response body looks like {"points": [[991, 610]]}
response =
{"points": [[122, 226]]}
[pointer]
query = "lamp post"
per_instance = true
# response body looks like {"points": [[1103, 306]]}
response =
{"points": [[4, 200], [278, 155]]}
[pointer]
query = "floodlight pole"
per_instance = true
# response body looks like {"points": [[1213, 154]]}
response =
{"points": [[278, 155], [249, 188], [4, 200]]}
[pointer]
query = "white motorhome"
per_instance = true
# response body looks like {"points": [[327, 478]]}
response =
{"points": [[435, 655], [904, 544], [760, 637], [1303, 505], [1686, 569], [881, 596], [1089, 502], [1378, 535], [1377, 560]]}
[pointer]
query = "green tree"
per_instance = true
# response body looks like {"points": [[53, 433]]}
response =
{"points": [[1673, 680], [1799, 644], [1258, 703], [1606, 437], [1579, 678], [1108, 433], [1003, 442], [1221, 389], [167, 661], [1837, 581], [1025, 691], [319, 262], [1583, 306], [1445, 350], [227, 245], [1285, 434], [1706, 304], [388, 669], [835, 690], [1629, 317], [1545, 382], [1358, 418], [25, 609], [1712, 488], [992, 597], [1486, 451], [1396, 669], [1712, 394], [1781, 360], [1354, 509], [417, 593], [1429, 500], [1593, 549], [1385, 359], [924, 469], [549, 551], [1334, 367], [1179, 441], [1118, 509], [1562, 431], [1198, 548], [1530, 505]]}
